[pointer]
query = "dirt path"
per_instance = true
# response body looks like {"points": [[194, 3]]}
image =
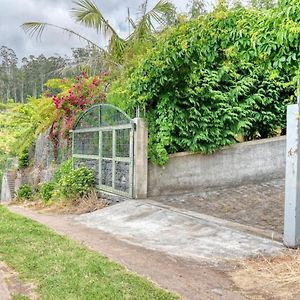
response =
{"points": [[11, 285], [4, 292], [188, 278]]}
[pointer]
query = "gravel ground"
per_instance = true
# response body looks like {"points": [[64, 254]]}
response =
{"points": [[259, 205]]}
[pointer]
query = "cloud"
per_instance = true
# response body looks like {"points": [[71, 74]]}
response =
{"points": [[14, 13]]}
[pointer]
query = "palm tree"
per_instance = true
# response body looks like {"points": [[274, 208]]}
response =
{"points": [[87, 13]]}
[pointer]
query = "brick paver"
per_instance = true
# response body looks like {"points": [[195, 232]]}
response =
{"points": [[260, 205]]}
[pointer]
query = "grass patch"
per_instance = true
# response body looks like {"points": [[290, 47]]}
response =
{"points": [[63, 269], [20, 297]]}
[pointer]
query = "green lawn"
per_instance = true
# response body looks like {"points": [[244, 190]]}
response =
{"points": [[63, 269]]}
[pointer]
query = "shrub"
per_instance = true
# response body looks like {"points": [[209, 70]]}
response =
{"points": [[63, 169], [47, 190], [68, 183], [23, 159], [78, 183], [24, 192]]}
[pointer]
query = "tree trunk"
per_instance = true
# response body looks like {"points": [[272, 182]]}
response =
{"points": [[34, 93], [22, 91]]}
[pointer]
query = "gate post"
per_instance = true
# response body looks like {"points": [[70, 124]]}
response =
{"points": [[291, 236], [140, 159]]}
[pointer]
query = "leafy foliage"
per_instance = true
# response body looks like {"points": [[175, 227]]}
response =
{"points": [[23, 159], [50, 190], [78, 183], [24, 192], [74, 97], [21, 124], [220, 78], [46, 191], [57, 109], [68, 183], [62, 170]]}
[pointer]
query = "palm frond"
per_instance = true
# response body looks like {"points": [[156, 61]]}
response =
{"points": [[131, 22], [37, 29], [160, 11], [152, 19], [87, 13], [116, 47]]}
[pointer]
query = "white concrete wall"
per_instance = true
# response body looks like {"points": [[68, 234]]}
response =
{"points": [[5, 191], [239, 164]]}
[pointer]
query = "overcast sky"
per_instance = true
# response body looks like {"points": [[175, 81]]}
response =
{"points": [[15, 12]]}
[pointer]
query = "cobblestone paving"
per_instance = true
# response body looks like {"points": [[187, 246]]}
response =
{"points": [[259, 205]]}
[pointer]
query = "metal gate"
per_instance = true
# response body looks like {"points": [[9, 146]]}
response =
{"points": [[103, 140]]}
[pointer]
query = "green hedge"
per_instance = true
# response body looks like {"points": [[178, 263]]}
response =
{"points": [[222, 78]]}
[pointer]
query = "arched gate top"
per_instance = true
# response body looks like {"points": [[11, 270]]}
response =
{"points": [[102, 115]]}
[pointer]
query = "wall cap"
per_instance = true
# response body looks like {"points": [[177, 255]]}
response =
{"points": [[234, 146]]}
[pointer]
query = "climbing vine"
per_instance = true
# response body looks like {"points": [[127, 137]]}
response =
{"points": [[221, 78], [72, 96]]}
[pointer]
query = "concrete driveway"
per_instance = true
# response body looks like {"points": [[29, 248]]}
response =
{"points": [[176, 232], [181, 251]]}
